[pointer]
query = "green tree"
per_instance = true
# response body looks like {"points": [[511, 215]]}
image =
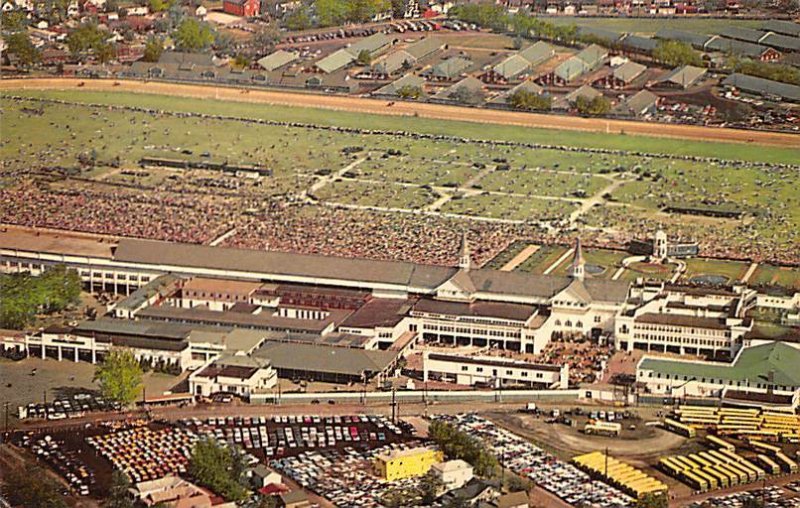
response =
{"points": [[459, 445], [105, 53], [118, 496], [298, 19], [400, 497], [193, 35], [430, 486], [466, 95], [457, 501], [330, 12], [364, 57], [153, 49], [213, 465], [653, 501], [119, 376], [267, 502], [23, 295], [676, 53], [266, 37], [20, 45], [597, 106], [159, 5], [85, 39], [409, 92], [529, 101], [241, 61], [31, 486], [13, 21]]}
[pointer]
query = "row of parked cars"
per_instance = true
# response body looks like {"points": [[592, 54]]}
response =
{"points": [[66, 462], [528, 460], [284, 435], [68, 407], [767, 497]]}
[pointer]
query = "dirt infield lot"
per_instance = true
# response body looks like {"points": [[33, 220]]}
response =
{"points": [[373, 106]]}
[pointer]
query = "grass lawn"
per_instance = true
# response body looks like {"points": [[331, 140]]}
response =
{"points": [[543, 183], [434, 126], [506, 255], [542, 259], [730, 270], [776, 276], [649, 26], [372, 194], [606, 262], [510, 208], [648, 271]]}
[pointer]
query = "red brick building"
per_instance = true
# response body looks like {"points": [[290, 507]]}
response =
{"points": [[246, 8]]}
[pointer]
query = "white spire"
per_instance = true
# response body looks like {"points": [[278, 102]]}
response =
{"points": [[577, 270], [464, 261]]}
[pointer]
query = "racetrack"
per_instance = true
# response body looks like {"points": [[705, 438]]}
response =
{"points": [[436, 111]]}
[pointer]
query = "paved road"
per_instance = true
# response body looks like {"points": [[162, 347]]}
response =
{"points": [[438, 111]]}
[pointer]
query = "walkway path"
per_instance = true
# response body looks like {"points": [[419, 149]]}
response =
{"points": [[750, 271], [558, 261], [520, 258], [221, 238], [322, 182], [596, 199]]}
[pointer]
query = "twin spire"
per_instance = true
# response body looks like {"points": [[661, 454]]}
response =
{"points": [[464, 262]]}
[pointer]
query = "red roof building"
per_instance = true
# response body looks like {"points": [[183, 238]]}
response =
{"points": [[246, 8]]}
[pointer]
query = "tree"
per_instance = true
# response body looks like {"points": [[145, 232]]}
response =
{"points": [[459, 445], [159, 5], [330, 12], [23, 295], [653, 501], [298, 19], [398, 9], [31, 486], [193, 35], [153, 49], [266, 37], [119, 376], [399, 497], [105, 53], [676, 53], [529, 101], [20, 45], [364, 57], [118, 496], [597, 106], [430, 487], [409, 92], [14, 21], [241, 61], [85, 39], [214, 466], [466, 95], [267, 502]]}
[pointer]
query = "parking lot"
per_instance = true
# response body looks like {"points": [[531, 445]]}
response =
{"points": [[529, 461]]}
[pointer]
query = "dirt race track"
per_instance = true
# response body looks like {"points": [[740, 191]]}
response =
{"points": [[443, 112]]}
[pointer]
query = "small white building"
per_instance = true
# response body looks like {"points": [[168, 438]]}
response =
{"points": [[239, 375], [497, 371], [454, 474]]}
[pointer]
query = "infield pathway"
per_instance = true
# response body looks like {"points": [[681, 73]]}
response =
{"points": [[438, 111]]}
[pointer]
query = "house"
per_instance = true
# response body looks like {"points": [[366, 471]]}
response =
{"points": [[244, 8], [174, 492], [512, 500], [240, 375], [294, 499], [261, 476], [475, 493], [682, 77], [453, 474], [640, 104]]}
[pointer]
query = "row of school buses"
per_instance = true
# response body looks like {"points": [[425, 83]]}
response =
{"points": [[721, 466], [627, 478]]}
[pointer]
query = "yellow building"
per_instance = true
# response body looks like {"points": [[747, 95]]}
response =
{"points": [[400, 464]]}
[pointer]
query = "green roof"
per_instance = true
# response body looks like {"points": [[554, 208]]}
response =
{"points": [[752, 364]]}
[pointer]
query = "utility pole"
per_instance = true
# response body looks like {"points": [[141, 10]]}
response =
{"points": [[5, 406], [394, 405]]}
